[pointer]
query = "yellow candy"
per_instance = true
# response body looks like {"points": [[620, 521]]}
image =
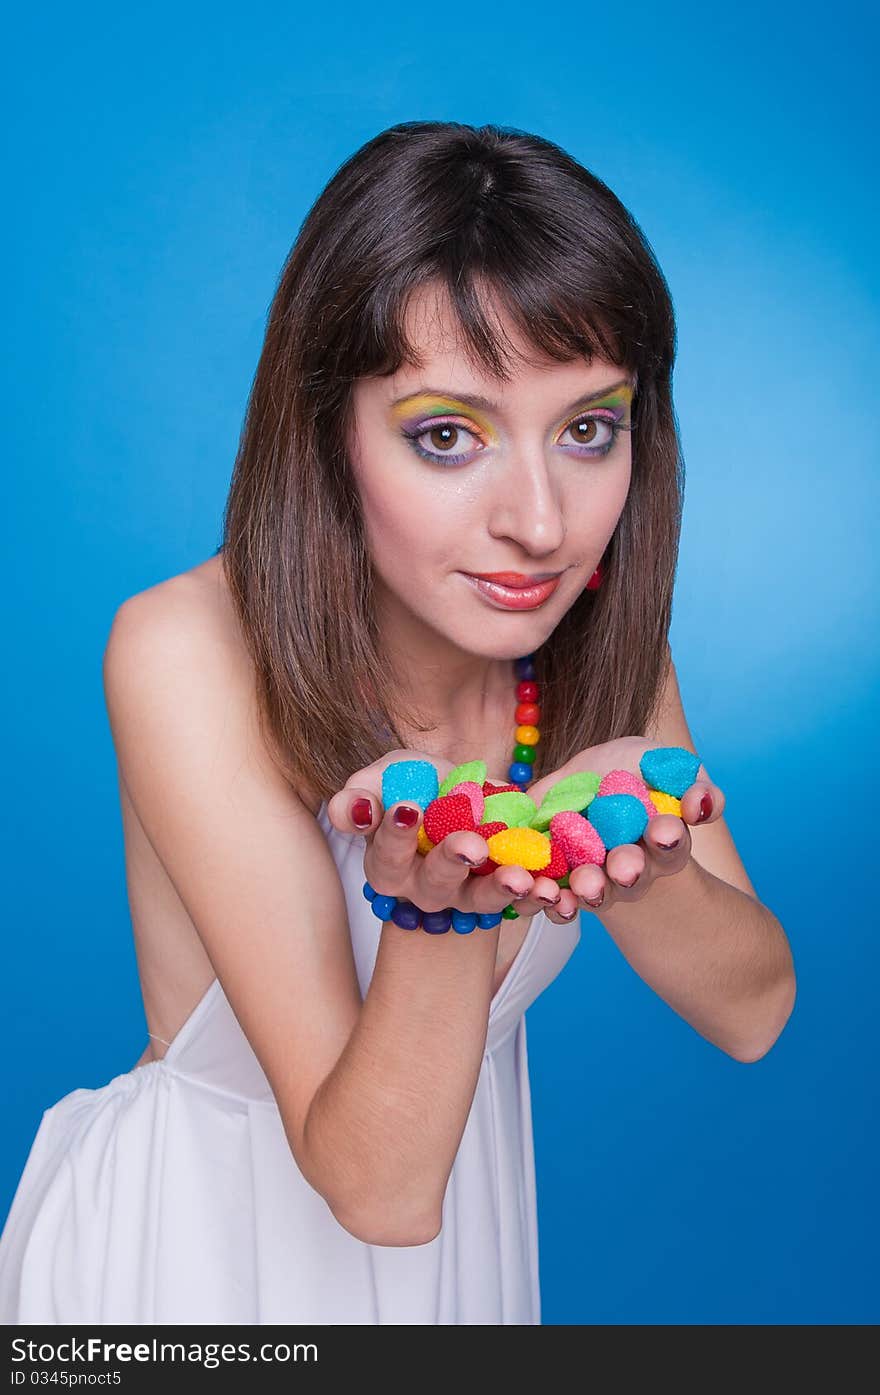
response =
{"points": [[520, 847], [423, 843], [665, 803], [527, 736]]}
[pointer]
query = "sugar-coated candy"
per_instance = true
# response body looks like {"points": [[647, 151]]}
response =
{"points": [[558, 864], [471, 770], [624, 782], [578, 839], [665, 803], [520, 847], [671, 769], [475, 794], [571, 792], [514, 808], [486, 830], [413, 780], [618, 818], [450, 813]]}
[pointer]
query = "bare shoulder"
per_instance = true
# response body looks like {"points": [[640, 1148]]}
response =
{"points": [[192, 613]]}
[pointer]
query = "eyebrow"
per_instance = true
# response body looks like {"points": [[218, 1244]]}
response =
{"points": [[483, 403]]}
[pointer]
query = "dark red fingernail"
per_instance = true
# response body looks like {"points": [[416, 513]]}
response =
{"points": [[362, 813], [405, 817], [669, 846], [705, 806]]}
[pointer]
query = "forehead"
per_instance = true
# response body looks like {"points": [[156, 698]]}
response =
{"points": [[436, 334], [444, 355]]}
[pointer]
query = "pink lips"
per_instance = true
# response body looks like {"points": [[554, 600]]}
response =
{"points": [[514, 578], [509, 597]]}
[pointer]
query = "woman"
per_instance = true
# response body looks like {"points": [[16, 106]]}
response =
{"points": [[466, 371]]}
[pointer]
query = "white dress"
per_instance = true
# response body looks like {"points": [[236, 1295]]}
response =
{"points": [[170, 1194]]}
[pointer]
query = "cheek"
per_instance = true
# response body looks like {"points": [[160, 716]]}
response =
{"points": [[594, 505], [410, 523]]}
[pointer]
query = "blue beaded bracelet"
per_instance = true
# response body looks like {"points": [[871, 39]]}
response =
{"points": [[409, 916]]}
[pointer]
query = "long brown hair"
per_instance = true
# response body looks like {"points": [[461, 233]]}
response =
{"points": [[471, 209]]}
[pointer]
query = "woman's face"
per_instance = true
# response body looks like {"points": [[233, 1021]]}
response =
{"points": [[531, 480]]}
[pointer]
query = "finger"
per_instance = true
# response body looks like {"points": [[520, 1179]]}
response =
{"points": [[388, 861], [566, 909], [441, 877], [589, 884], [540, 896], [356, 809], [703, 801], [625, 864], [664, 834]]}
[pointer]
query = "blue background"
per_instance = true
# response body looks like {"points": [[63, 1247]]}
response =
{"points": [[159, 165]]}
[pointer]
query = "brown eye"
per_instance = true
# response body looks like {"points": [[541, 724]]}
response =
{"points": [[584, 431], [444, 436]]}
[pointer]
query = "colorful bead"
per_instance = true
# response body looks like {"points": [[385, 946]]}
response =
{"points": [[406, 915], [436, 922], [527, 692], [527, 714], [463, 922], [520, 773], [529, 736], [382, 906]]}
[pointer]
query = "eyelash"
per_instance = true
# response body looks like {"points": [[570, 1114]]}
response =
{"points": [[413, 435]]}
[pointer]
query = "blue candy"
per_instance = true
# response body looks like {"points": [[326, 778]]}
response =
{"points": [[414, 780], [618, 818], [671, 769]]}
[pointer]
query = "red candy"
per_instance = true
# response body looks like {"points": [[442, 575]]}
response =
{"points": [[486, 830], [558, 864], [449, 813]]}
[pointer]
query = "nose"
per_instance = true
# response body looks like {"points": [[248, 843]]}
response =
{"points": [[526, 506]]}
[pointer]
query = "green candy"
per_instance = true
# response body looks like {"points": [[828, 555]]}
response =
{"points": [[471, 770], [571, 792], [513, 807]]}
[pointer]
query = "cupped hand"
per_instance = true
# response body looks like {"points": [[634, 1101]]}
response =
{"points": [[441, 878], [631, 868]]}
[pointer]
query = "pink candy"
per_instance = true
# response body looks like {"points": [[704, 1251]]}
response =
{"points": [[577, 837], [474, 793], [622, 782]]}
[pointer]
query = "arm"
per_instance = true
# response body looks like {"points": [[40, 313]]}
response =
{"points": [[701, 938], [390, 1116], [714, 953], [373, 1096]]}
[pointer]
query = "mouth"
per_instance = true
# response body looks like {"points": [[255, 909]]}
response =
{"points": [[515, 579], [514, 597]]}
